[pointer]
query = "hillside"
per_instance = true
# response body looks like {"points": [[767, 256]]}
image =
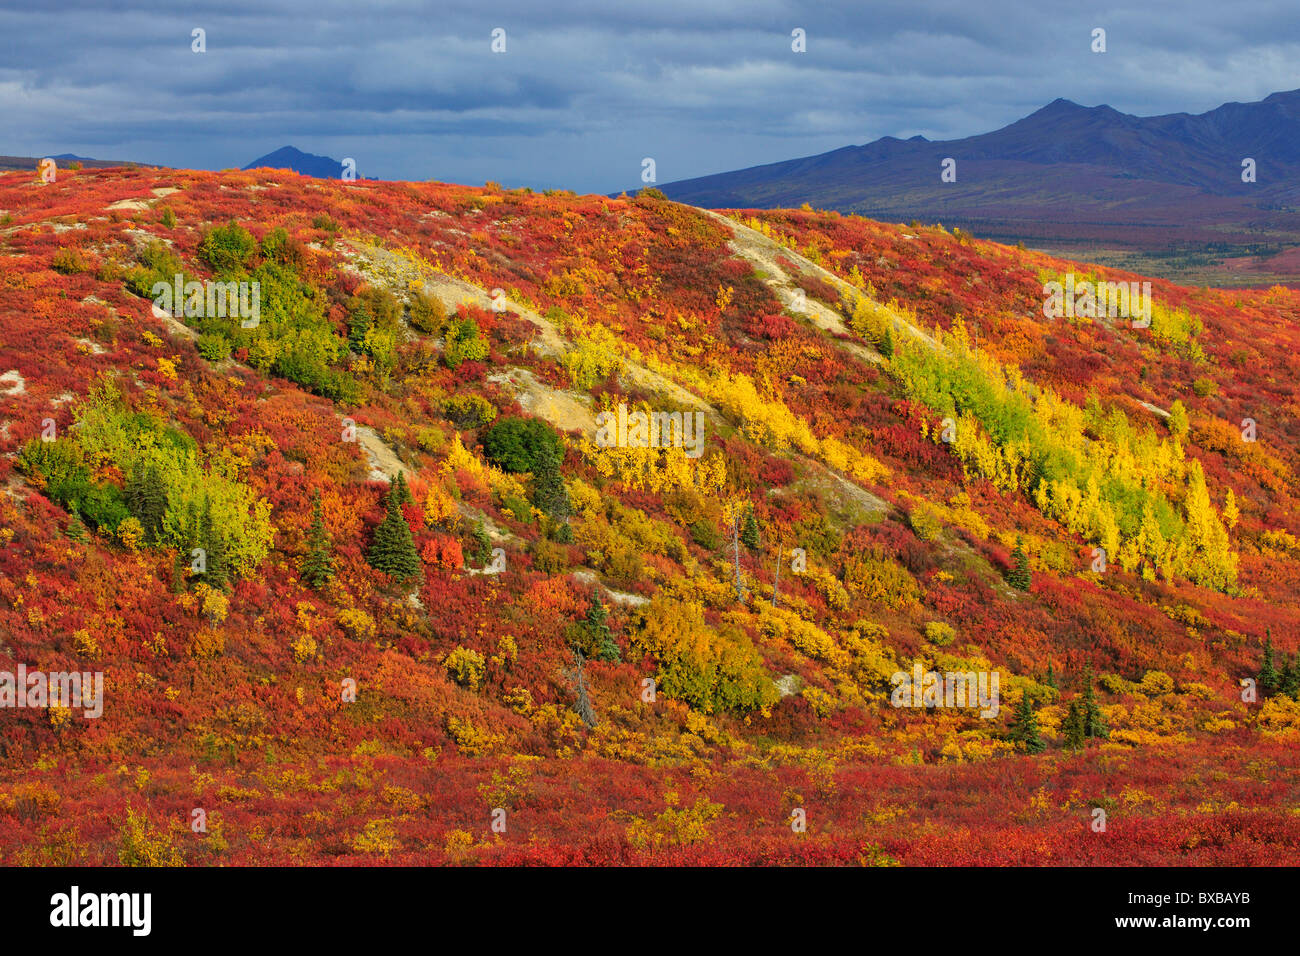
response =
{"points": [[1164, 193], [366, 583]]}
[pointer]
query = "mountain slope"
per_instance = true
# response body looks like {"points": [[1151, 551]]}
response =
{"points": [[888, 405]]}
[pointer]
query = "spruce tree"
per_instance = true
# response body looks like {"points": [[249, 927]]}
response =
{"points": [[180, 573], [1026, 729], [887, 342], [1289, 678], [1094, 725], [750, 533], [481, 545], [146, 499], [1050, 679], [1269, 678], [1072, 727], [217, 574], [549, 493], [601, 638], [393, 549], [76, 530], [1019, 576], [360, 319], [399, 488], [318, 564]]}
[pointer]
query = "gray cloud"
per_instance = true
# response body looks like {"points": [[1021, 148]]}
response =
{"points": [[586, 89]]}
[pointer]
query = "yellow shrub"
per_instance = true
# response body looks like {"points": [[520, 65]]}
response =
{"points": [[206, 643], [882, 581], [471, 741], [85, 645], [357, 624], [940, 633], [131, 533], [304, 648], [379, 836], [466, 667], [143, 845], [1155, 683], [674, 827]]}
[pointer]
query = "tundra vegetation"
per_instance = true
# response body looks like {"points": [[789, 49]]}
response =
{"points": [[360, 575]]}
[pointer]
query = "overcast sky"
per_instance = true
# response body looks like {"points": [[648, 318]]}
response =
{"points": [[585, 90]]}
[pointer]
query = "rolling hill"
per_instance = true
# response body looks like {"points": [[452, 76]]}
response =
{"points": [[376, 566]]}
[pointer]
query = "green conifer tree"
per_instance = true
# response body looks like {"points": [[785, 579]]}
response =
{"points": [[1025, 730], [480, 548], [146, 499], [400, 489], [600, 636], [1019, 576], [76, 530], [1072, 727], [213, 544], [549, 493], [392, 550], [1094, 725], [749, 534], [1289, 678], [318, 564], [1269, 677]]}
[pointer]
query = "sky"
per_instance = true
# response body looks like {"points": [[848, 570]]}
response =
{"points": [[585, 90]]}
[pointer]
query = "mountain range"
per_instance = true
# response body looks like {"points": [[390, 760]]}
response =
{"points": [[1166, 187]]}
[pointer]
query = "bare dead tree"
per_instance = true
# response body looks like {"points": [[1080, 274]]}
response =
{"points": [[776, 582], [735, 543], [582, 702]]}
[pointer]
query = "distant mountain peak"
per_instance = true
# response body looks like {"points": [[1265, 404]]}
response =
{"points": [[1059, 107], [305, 164]]}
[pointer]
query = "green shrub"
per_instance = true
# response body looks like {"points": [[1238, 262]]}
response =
{"points": [[940, 633], [278, 247], [519, 508], [427, 314], [925, 521], [228, 249], [515, 444], [213, 346], [705, 535], [464, 343], [158, 263], [69, 262], [469, 411]]}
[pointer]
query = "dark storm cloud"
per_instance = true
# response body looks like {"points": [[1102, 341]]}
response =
{"points": [[587, 89]]}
